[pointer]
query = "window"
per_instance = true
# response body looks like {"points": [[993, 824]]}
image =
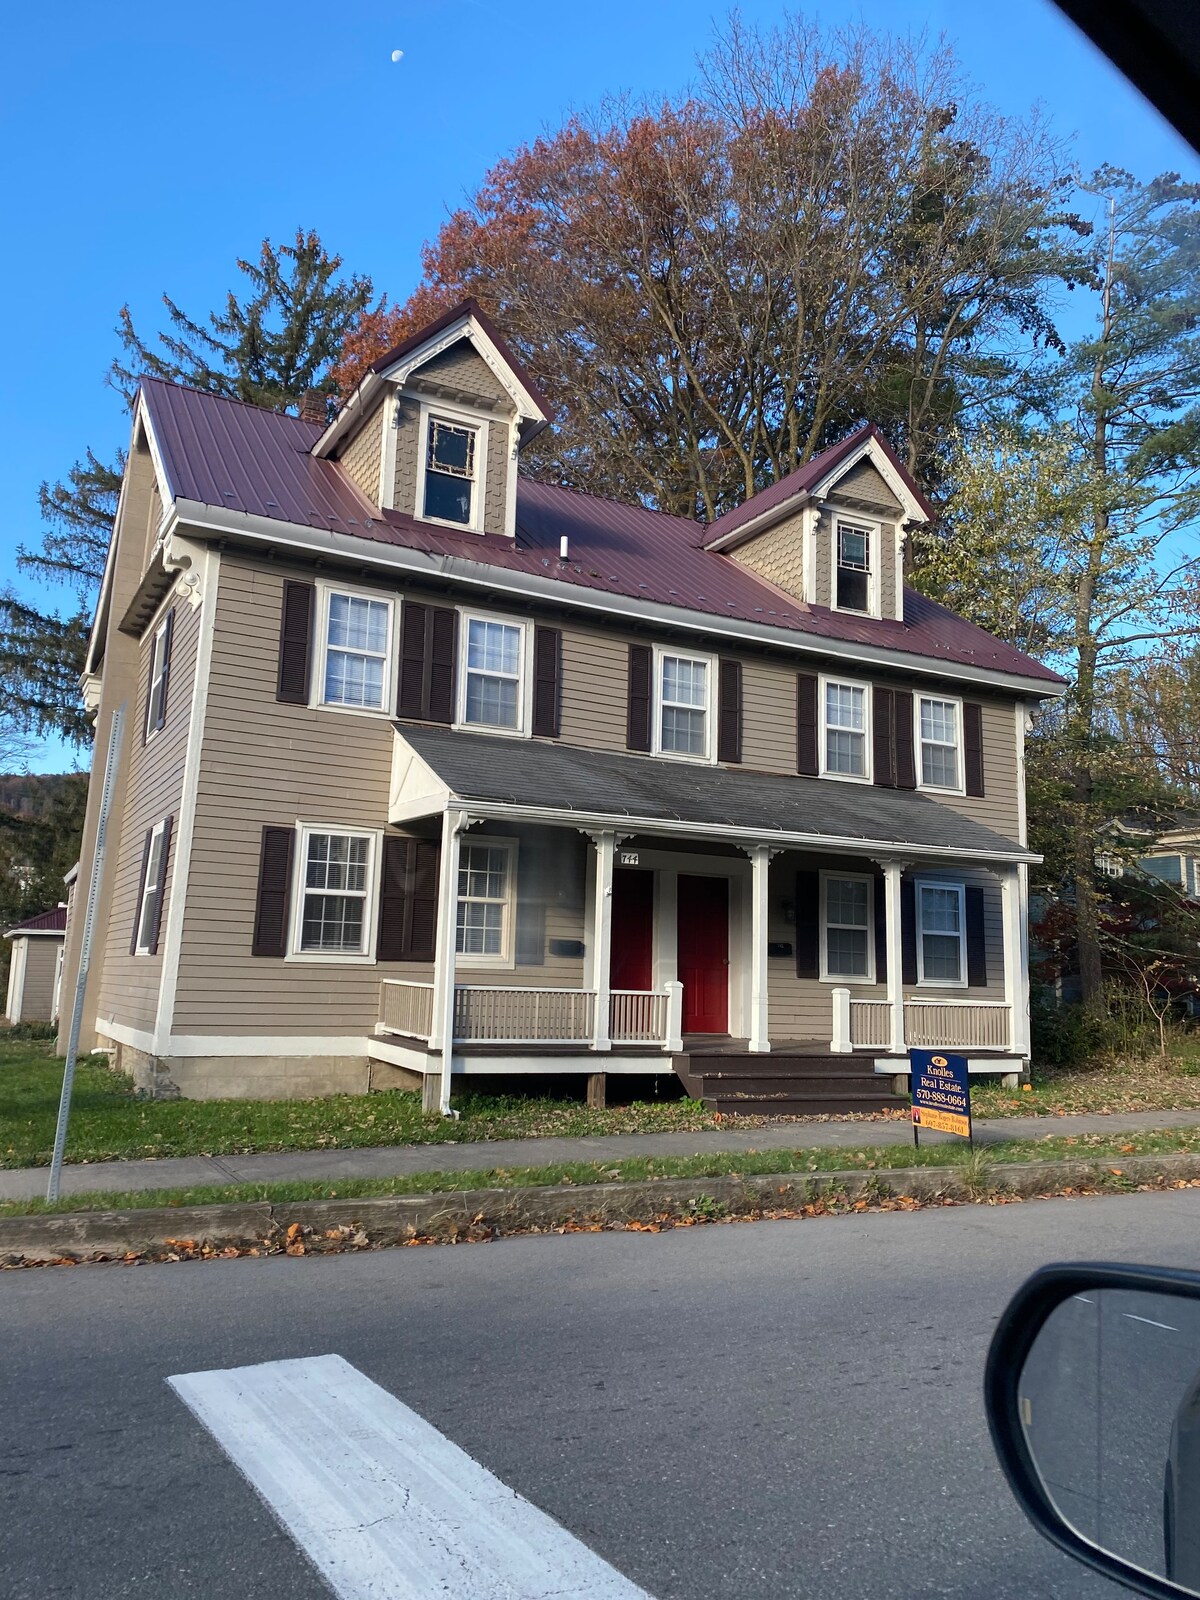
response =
{"points": [[357, 651], [848, 942], [846, 730], [493, 675], [160, 666], [149, 906], [684, 687], [939, 743], [484, 900], [941, 937], [450, 471], [335, 902], [853, 575]]}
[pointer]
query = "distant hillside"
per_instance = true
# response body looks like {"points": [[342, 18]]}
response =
{"points": [[34, 795]]}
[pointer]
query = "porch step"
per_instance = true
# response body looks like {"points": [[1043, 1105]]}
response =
{"points": [[786, 1085]]}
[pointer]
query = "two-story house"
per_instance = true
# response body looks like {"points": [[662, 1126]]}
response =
{"points": [[428, 768]]}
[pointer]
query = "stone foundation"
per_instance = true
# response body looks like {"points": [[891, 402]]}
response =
{"points": [[251, 1077]]}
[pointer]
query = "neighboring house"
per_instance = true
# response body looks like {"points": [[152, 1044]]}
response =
{"points": [[428, 766], [1175, 856], [35, 967]]}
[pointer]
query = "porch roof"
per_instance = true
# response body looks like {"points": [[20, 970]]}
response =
{"points": [[552, 782]]}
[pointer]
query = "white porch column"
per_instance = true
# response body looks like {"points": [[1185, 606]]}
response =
{"points": [[442, 1035], [760, 859], [1015, 920], [605, 850], [892, 873]]}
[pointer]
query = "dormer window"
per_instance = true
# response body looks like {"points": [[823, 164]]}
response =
{"points": [[854, 569], [450, 472]]}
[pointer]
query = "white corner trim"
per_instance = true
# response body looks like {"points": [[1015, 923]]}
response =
{"points": [[173, 939], [137, 1038], [389, 412], [871, 447], [266, 1044]]}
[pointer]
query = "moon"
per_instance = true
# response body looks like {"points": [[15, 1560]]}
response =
{"points": [[397, 55]]}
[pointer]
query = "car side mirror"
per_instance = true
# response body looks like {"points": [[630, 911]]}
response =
{"points": [[1093, 1401]]}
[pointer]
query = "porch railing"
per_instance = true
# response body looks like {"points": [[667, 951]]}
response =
{"points": [[870, 1024], [510, 1015], [928, 1024], [406, 1007]]}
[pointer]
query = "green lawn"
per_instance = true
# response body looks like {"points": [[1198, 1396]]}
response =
{"points": [[991, 1161]]}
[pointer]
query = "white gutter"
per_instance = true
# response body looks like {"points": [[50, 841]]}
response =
{"points": [[397, 558]]}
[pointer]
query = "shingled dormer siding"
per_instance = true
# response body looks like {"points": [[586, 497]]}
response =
{"points": [[361, 458]]}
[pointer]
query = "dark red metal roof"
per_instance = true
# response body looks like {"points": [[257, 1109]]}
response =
{"points": [[45, 922], [227, 454]]}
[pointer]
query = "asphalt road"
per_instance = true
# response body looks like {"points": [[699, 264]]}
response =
{"points": [[755, 1411]]}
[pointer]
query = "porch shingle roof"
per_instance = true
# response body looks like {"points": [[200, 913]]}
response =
{"points": [[559, 777]]}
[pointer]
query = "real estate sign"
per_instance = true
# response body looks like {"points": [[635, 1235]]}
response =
{"points": [[941, 1092]]}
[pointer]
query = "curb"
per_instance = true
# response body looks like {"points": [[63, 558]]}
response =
{"points": [[303, 1227]]}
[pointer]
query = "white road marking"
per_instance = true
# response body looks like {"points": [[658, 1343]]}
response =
{"points": [[1150, 1322], [383, 1505], [1084, 1298]]}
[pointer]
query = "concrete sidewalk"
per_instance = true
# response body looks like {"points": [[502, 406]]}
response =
{"points": [[190, 1172]]}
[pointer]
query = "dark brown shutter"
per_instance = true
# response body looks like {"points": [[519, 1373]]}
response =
{"points": [[274, 892], [160, 883], [807, 756], [808, 924], [902, 739], [908, 931], [972, 716], [637, 736], [547, 673], [408, 897], [168, 636], [295, 642], [428, 640], [976, 938], [879, 893], [729, 711], [883, 736], [137, 905]]}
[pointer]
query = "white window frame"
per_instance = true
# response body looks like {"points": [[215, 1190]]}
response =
{"points": [[919, 744], [524, 681], [317, 700], [840, 977], [874, 533], [961, 890], [710, 705], [361, 958], [508, 939], [141, 946], [433, 411], [158, 671], [837, 679]]}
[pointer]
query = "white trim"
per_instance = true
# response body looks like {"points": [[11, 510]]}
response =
{"points": [[709, 662], [506, 956], [364, 957], [824, 682], [359, 552], [810, 524], [228, 1044], [459, 417], [467, 615], [879, 459], [960, 763], [390, 412], [150, 873], [510, 486], [961, 891], [172, 936], [35, 933], [850, 877], [1021, 720], [976, 1065], [874, 536], [326, 589], [477, 1062], [17, 967]]}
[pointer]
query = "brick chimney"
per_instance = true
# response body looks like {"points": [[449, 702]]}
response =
{"points": [[314, 407]]}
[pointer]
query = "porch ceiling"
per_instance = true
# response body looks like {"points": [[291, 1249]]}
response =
{"points": [[558, 782]]}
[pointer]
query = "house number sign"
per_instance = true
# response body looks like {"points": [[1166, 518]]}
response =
{"points": [[629, 858]]}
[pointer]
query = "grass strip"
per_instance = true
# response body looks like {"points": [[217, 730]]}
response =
{"points": [[634, 1169]]}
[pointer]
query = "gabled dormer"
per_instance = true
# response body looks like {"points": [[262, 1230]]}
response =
{"points": [[833, 532], [435, 427]]}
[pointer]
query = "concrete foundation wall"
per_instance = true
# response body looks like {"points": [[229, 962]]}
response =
{"points": [[247, 1077]]}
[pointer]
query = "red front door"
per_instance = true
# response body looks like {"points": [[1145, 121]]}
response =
{"points": [[632, 964], [703, 914]]}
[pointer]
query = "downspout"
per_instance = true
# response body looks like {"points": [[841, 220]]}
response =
{"points": [[454, 824]]}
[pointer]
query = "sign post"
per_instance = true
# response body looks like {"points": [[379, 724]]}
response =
{"points": [[941, 1094]]}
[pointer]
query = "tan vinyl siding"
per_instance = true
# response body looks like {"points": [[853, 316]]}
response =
{"points": [[777, 555], [768, 717], [129, 987], [37, 992], [462, 367], [999, 805], [361, 457], [595, 687]]}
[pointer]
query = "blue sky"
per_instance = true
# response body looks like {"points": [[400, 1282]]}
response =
{"points": [[147, 145]]}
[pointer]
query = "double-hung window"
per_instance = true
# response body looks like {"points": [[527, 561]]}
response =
{"points": [[846, 752], [493, 675], [941, 933], [336, 892], [149, 901], [938, 733], [848, 944], [853, 572], [485, 918], [683, 719], [356, 651], [160, 668], [451, 471]]}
